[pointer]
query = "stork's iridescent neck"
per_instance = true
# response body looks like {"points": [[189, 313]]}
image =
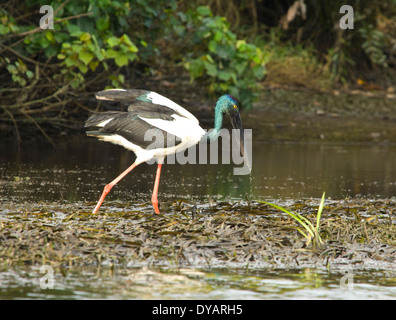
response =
{"points": [[226, 104]]}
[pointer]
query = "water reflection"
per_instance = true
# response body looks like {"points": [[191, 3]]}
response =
{"points": [[182, 283], [307, 170], [78, 171]]}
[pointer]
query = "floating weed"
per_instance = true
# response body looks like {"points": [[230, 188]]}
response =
{"points": [[246, 236], [312, 233]]}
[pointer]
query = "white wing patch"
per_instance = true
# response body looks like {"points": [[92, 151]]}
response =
{"points": [[187, 130], [181, 127], [159, 99], [106, 98], [103, 123]]}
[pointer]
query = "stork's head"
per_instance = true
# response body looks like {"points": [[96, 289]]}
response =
{"points": [[227, 104]]}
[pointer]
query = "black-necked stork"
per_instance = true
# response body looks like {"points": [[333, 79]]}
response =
{"points": [[149, 110]]}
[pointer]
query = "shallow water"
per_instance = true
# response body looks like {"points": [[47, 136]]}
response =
{"points": [[79, 170], [198, 284], [76, 172]]}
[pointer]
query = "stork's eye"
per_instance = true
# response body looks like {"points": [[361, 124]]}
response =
{"points": [[235, 106]]}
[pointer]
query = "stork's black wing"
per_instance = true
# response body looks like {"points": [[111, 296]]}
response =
{"points": [[130, 125]]}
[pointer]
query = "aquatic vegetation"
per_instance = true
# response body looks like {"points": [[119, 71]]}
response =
{"points": [[221, 234], [312, 232]]}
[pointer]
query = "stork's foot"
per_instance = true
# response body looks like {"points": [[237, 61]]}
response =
{"points": [[155, 205], [104, 194]]}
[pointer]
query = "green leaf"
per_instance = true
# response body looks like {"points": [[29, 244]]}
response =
{"points": [[100, 54], [19, 80], [93, 65], [50, 36], [241, 45], [113, 41], [74, 30], [224, 75], [204, 11], [125, 39], [195, 68], [224, 87], [121, 60], [29, 74], [4, 29], [218, 36], [83, 68], [128, 44], [51, 51], [103, 23], [240, 67], [258, 72], [208, 57], [212, 46], [320, 210], [110, 54], [210, 68], [131, 56], [90, 46], [296, 217], [85, 37], [12, 69], [76, 47], [85, 57], [70, 61]]}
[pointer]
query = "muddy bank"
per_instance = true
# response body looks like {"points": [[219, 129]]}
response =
{"points": [[251, 235]]}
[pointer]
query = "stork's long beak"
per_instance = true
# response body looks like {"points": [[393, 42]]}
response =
{"points": [[236, 123]]}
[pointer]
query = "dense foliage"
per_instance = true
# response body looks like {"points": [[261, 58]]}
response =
{"points": [[224, 46]]}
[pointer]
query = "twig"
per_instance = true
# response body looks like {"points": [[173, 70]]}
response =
{"points": [[19, 55], [61, 6], [46, 108], [82, 106], [18, 105], [57, 21]]}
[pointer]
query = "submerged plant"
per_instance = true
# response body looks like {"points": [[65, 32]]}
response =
{"points": [[311, 232]]}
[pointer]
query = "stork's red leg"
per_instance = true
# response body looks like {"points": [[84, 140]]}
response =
{"points": [[111, 185], [154, 198]]}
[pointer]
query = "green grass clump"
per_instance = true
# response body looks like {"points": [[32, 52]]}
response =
{"points": [[311, 232]]}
